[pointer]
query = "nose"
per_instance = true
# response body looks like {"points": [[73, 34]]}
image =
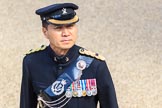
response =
{"points": [[65, 32]]}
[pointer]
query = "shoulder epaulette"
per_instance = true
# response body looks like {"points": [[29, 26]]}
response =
{"points": [[36, 50], [90, 53]]}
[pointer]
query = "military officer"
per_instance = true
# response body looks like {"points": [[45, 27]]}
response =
{"points": [[62, 74]]}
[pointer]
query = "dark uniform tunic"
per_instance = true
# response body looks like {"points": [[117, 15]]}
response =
{"points": [[42, 68]]}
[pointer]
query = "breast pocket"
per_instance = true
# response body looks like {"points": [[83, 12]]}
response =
{"points": [[39, 86]]}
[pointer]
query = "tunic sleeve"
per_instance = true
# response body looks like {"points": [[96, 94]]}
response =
{"points": [[106, 90], [28, 98]]}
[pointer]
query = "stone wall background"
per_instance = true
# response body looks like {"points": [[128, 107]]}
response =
{"points": [[127, 32]]}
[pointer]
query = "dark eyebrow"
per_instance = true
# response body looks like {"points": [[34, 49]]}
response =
{"points": [[57, 26], [69, 25], [60, 26]]}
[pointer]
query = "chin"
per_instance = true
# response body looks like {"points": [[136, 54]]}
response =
{"points": [[67, 46]]}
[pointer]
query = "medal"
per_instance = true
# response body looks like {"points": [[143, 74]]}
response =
{"points": [[83, 87], [93, 87], [75, 93], [79, 89], [84, 93], [88, 91], [68, 93]]}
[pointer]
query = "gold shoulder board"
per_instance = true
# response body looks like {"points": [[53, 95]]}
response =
{"points": [[36, 50], [90, 53]]}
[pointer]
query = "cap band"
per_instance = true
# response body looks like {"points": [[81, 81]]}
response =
{"points": [[73, 20]]}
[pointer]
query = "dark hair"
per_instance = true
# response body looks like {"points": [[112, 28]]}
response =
{"points": [[45, 24]]}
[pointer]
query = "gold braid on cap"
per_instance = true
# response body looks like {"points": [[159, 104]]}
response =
{"points": [[36, 50], [92, 54], [73, 20]]}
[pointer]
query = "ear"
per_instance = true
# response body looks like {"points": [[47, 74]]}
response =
{"points": [[45, 32]]}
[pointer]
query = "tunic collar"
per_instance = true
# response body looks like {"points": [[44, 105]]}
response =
{"points": [[63, 59]]}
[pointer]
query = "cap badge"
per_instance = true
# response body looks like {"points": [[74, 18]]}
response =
{"points": [[64, 11]]}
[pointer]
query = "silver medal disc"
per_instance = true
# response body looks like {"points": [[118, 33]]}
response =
{"points": [[79, 92], [89, 93], [68, 94], [94, 92]]}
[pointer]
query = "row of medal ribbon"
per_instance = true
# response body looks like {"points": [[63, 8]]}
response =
{"points": [[81, 88]]}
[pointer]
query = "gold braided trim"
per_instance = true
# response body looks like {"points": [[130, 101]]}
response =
{"points": [[36, 50], [75, 19], [92, 54]]}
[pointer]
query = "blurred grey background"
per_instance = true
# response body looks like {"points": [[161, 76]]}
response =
{"points": [[127, 32]]}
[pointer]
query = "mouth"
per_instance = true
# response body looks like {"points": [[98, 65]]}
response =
{"points": [[66, 40]]}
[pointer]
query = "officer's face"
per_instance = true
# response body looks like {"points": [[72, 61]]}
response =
{"points": [[61, 37]]}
